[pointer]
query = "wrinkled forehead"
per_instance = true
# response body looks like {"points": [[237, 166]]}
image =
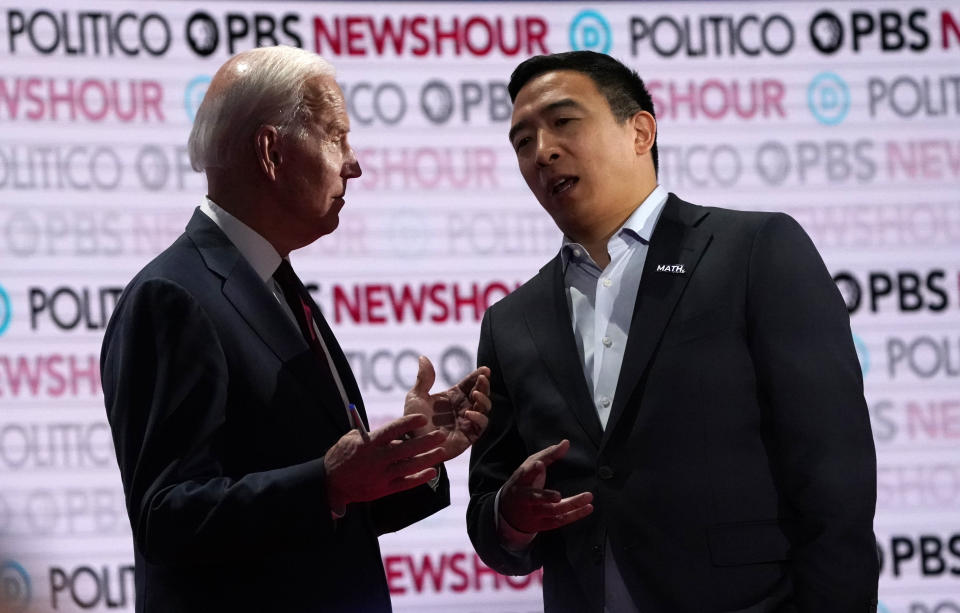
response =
{"points": [[323, 98], [322, 94]]}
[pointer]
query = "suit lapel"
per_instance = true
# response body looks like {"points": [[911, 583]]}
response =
{"points": [[245, 290], [676, 240], [548, 320]]}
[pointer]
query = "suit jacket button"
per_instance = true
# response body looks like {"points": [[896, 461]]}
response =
{"points": [[605, 472], [597, 554]]}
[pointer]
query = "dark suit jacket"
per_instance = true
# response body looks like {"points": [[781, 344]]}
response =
{"points": [[737, 470], [221, 416]]}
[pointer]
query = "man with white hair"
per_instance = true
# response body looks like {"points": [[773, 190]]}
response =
{"points": [[251, 481]]}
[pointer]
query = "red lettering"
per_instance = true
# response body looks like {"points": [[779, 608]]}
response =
{"points": [[331, 36], [374, 300], [24, 371], [394, 574], [85, 88], [481, 570], [455, 572], [440, 35], [773, 94], [91, 373], [89, 99], [951, 418], [435, 296], [355, 35], [918, 418], [407, 299], [487, 37], [536, 33], [53, 375], [11, 102], [938, 420], [59, 381], [33, 96], [416, 27], [928, 159], [502, 36], [152, 95], [495, 287], [457, 561], [67, 97], [341, 301], [426, 570], [716, 99], [387, 31], [420, 35], [948, 25], [433, 302], [471, 300]]}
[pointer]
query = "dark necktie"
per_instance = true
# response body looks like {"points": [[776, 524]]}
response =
{"points": [[295, 294]]}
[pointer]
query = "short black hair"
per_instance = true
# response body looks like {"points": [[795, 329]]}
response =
{"points": [[621, 86]]}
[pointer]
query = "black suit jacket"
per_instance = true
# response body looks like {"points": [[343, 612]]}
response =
{"points": [[221, 416], [737, 470]]}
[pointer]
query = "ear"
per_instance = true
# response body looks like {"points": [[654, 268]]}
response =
{"points": [[267, 146], [645, 132]]}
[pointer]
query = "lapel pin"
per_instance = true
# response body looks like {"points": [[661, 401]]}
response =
{"points": [[676, 269]]}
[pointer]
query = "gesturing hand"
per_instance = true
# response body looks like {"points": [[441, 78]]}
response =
{"points": [[460, 412], [527, 507], [358, 471]]}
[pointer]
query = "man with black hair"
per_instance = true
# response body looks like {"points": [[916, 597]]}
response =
{"points": [[678, 420]]}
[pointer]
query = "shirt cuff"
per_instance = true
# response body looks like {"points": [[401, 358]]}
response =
{"points": [[511, 539]]}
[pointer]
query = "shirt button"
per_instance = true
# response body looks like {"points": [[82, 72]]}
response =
{"points": [[606, 341], [604, 402], [607, 282], [577, 252]]}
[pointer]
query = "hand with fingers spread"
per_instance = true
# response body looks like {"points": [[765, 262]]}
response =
{"points": [[359, 470], [529, 508], [460, 412]]}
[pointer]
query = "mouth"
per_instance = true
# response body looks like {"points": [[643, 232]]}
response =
{"points": [[559, 185]]}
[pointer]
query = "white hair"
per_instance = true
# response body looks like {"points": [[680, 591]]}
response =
{"points": [[267, 87]]}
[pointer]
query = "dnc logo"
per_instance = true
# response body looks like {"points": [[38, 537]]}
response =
{"points": [[14, 587], [193, 95], [828, 98], [5, 310], [590, 31]]}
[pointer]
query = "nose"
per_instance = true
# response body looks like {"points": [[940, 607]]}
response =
{"points": [[547, 149], [351, 166]]}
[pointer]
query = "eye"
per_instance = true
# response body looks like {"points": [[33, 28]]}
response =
{"points": [[562, 121], [521, 142]]}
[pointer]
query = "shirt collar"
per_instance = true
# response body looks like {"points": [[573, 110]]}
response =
{"points": [[257, 250], [640, 224]]}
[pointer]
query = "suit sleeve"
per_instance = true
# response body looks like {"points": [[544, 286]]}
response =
{"points": [[811, 385], [165, 387], [399, 510], [493, 459]]}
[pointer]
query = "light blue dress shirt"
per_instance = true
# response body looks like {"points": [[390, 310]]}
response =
{"points": [[601, 303]]}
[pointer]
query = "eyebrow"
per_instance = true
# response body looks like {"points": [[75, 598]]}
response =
{"points": [[559, 104]]}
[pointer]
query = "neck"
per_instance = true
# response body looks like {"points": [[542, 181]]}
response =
{"points": [[247, 203], [595, 238]]}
